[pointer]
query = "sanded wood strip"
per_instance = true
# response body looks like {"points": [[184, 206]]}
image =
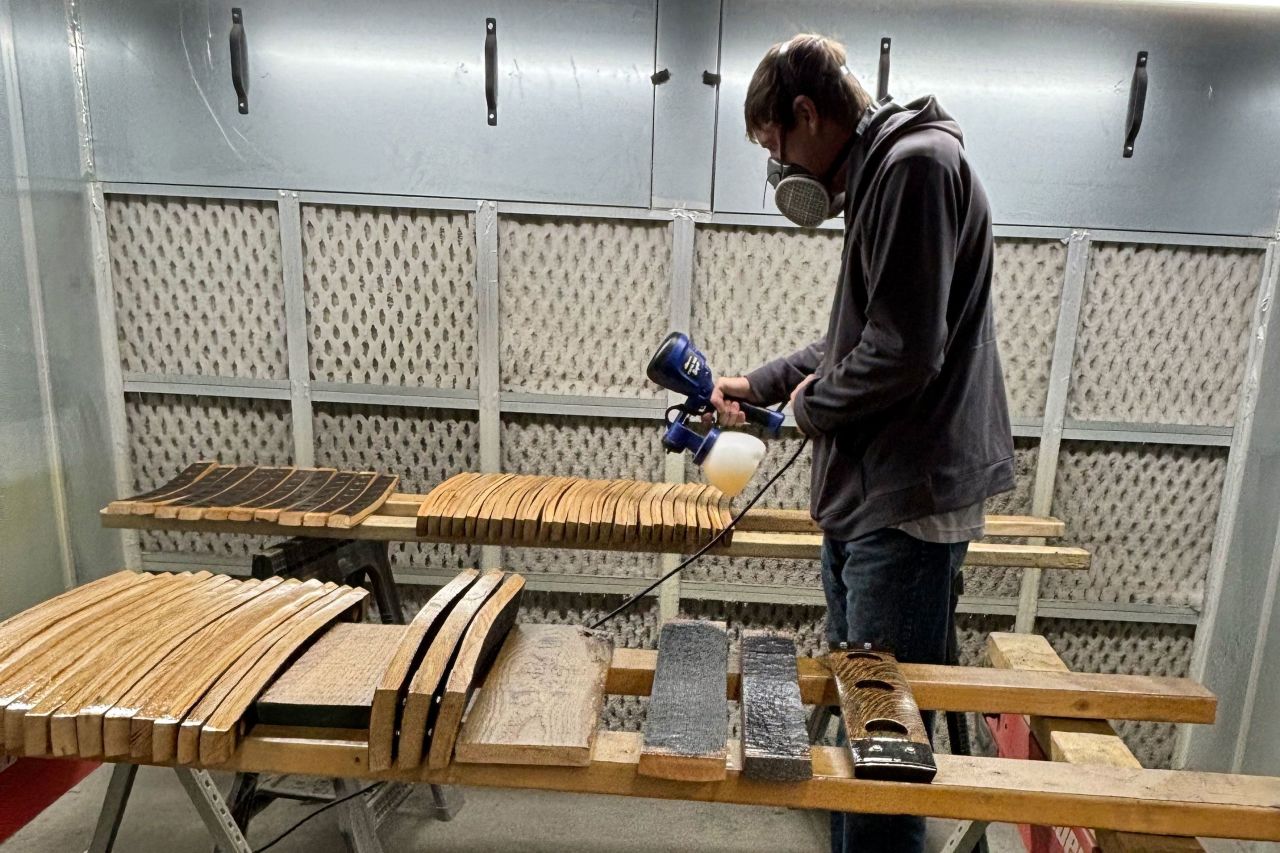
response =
{"points": [[541, 701], [394, 682], [430, 676], [179, 484], [686, 725], [332, 684], [479, 645], [886, 733], [775, 739], [25, 626], [221, 730]]}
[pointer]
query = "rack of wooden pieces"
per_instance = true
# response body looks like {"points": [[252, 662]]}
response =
{"points": [[761, 533], [461, 696], [288, 497], [573, 512], [154, 667]]}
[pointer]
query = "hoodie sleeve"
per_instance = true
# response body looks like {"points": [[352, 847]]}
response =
{"points": [[911, 257], [774, 382]]}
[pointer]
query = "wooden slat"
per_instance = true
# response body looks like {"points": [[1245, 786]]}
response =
{"points": [[809, 546], [1092, 742], [799, 521], [179, 484], [541, 701], [221, 728], [209, 483], [332, 684], [282, 490], [350, 493], [887, 738], [204, 493], [430, 675], [316, 483], [686, 724], [152, 726], [364, 506], [982, 689], [775, 740], [246, 493], [394, 682], [27, 625], [991, 789], [297, 513], [479, 646]]}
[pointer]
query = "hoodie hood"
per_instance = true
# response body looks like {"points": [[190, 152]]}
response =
{"points": [[891, 123]]}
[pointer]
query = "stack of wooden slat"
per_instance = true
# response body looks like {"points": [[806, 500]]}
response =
{"points": [[293, 497], [620, 514], [154, 667]]}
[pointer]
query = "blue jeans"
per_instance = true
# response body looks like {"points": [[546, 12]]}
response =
{"points": [[893, 590]]}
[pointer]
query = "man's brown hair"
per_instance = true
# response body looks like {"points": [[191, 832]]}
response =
{"points": [[809, 65]]}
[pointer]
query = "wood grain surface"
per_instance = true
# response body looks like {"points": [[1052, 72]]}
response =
{"points": [[686, 724], [886, 733], [479, 645], [541, 701], [384, 715]]}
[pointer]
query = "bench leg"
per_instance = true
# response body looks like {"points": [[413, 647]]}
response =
{"points": [[213, 810], [113, 805], [355, 820]]}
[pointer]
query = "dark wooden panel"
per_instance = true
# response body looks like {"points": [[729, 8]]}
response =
{"points": [[775, 739], [686, 726], [886, 734]]}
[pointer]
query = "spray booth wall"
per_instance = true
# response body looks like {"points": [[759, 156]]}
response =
{"points": [[363, 272]]}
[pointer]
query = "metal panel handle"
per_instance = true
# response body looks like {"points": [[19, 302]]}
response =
{"points": [[239, 61], [1137, 103], [491, 68], [882, 81]]}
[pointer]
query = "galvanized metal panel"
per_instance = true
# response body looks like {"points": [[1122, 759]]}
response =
{"points": [[386, 96], [684, 107], [1041, 91]]}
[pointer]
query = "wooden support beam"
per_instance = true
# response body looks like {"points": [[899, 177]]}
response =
{"points": [[1075, 741], [565, 667], [992, 789], [686, 724], [799, 521], [982, 689], [775, 739]]}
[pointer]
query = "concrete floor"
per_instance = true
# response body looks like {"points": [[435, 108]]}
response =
{"points": [[161, 820]]}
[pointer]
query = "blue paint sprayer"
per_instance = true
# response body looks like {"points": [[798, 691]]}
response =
{"points": [[728, 459]]}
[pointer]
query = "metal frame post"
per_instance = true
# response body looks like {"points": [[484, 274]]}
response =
{"points": [[1055, 409], [213, 810], [113, 804], [295, 318], [487, 372]]}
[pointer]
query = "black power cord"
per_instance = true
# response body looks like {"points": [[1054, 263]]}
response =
{"points": [[707, 547], [273, 842]]}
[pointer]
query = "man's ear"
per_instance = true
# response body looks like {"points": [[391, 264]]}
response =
{"points": [[806, 113]]}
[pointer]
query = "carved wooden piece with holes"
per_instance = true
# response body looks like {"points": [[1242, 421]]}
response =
{"points": [[886, 733]]}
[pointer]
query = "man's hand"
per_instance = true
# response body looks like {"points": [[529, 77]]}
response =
{"points": [[728, 413], [800, 389]]}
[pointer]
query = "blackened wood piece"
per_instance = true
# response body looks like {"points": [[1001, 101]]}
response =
{"points": [[297, 512], [244, 493], [281, 494], [373, 497], [209, 484], [302, 497], [775, 740], [186, 478], [886, 733], [686, 728], [351, 491], [205, 493]]}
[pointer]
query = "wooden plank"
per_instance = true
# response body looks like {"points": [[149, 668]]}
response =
{"points": [[111, 725], [204, 493], [316, 483], [394, 682], [686, 725], [967, 787], [526, 528], [484, 636], [799, 521], [23, 627], [350, 492], [511, 526], [478, 505], [358, 510], [179, 484], [996, 554], [153, 725], [207, 484], [283, 490], [489, 521], [887, 737], [221, 729], [428, 512], [240, 662], [982, 689], [541, 701], [775, 739], [332, 684], [1092, 742], [246, 493], [430, 675], [58, 666], [296, 514]]}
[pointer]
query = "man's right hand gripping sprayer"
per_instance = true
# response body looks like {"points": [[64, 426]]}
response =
{"points": [[728, 459]]}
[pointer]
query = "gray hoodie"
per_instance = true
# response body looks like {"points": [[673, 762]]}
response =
{"points": [[908, 415]]}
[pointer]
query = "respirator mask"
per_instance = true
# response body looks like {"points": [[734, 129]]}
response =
{"points": [[802, 196]]}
